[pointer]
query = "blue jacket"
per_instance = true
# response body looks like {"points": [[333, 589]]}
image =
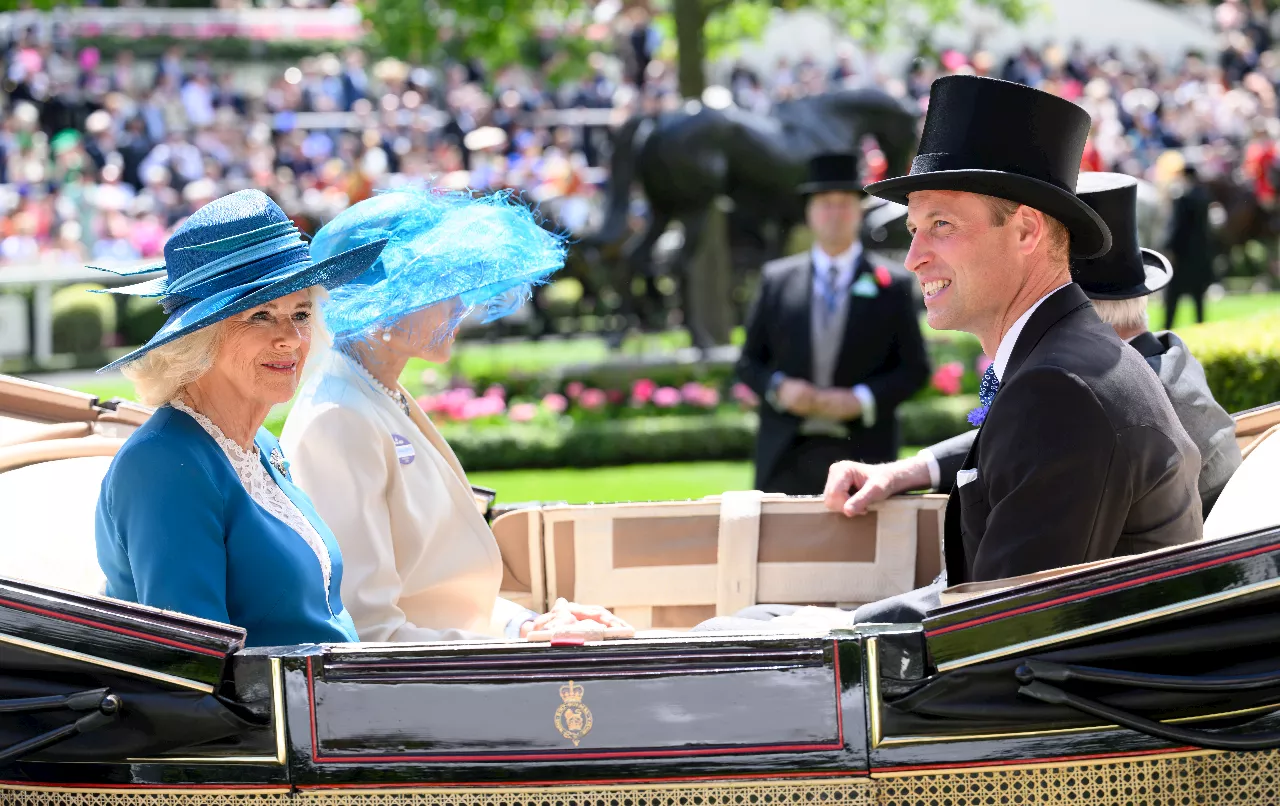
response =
{"points": [[177, 530]]}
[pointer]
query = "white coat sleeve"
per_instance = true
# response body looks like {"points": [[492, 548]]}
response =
{"points": [[342, 461]]}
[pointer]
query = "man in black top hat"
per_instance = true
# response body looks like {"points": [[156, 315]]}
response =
{"points": [[833, 345], [1118, 283], [1190, 244], [1079, 455]]}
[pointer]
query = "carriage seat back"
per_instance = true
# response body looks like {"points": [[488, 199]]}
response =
{"points": [[49, 495], [1250, 502], [671, 565]]}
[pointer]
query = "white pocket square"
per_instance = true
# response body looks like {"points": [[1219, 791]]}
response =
{"points": [[963, 477]]}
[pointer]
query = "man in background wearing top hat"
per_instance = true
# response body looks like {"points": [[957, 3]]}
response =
{"points": [[1079, 455], [1118, 283], [833, 345]]}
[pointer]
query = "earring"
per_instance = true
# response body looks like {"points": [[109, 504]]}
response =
{"points": [[386, 335]]}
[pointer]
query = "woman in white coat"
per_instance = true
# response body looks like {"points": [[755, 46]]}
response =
{"points": [[420, 562]]}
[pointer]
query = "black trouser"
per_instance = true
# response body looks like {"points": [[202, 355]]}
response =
{"points": [[802, 468], [1173, 294]]}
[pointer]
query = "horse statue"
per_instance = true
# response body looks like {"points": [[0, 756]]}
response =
{"points": [[686, 160]]}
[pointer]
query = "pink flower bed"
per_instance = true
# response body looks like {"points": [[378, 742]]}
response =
{"points": [[464, 404]]}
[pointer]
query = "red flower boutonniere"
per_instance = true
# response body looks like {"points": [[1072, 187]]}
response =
{"points": [[883, 278]]}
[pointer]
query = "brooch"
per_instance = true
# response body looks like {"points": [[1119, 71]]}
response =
{"points": [[281, 464]]}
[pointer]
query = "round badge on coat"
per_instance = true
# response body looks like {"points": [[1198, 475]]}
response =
{"points": [[404, 450]]}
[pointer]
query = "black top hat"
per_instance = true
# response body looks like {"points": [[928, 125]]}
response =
{"points": [[983, 135], [829, 172], [1127, 271]]}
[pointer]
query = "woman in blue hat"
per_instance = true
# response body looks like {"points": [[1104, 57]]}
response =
{"points": [[422, 564], [198, 513]]}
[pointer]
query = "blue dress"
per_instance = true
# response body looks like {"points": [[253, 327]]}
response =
{"points": [[176, 529]]}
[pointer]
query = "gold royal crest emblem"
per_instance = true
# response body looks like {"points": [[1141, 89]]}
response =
{"points": [[573, 718]]}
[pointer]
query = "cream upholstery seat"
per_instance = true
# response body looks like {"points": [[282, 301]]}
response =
{"points": [[48, 532], [1251, 500]]}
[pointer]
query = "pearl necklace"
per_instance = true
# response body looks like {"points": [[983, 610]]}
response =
{"points": [[396, 395]]}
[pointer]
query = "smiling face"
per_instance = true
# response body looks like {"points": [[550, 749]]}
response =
{"points": [[261, 351], [966, 264]]}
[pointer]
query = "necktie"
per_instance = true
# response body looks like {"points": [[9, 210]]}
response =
{"points": [[990, 385], [830, 299]]}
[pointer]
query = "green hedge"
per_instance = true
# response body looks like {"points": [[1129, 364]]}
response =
{"points": [[652, 440], [1241, 360], [81, 319], [143, 316], [619, 442], [924, 422]]}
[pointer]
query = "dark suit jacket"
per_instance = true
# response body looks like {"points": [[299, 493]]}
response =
{"points": [[1208, 424], [882, 348], [1189, 242], [1081, 456]]}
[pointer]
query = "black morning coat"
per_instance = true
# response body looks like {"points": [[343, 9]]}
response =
{"points": [[1081, 456], [882, 348]]}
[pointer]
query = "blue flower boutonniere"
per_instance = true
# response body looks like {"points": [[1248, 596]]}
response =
{"points": [[978, 416]]}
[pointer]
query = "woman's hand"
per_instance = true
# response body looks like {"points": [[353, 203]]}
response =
{"points": [[565, 614]]}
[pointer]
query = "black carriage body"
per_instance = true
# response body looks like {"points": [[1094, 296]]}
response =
{"points": [[868, 703]]}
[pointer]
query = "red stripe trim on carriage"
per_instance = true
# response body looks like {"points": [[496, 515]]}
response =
{"points": [[570, 755], [677, 779], [1019, 762], [1105, 589], [216, 653]]}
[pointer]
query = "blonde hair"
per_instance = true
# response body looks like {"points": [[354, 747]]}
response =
{"points": [[161, 374], [1059, 236], [1125, 315]]}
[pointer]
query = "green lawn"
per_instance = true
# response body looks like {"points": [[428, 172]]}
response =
{"points": [[602, 485], [607, 484]]}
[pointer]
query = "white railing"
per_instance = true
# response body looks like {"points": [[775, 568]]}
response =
{"points": [[338, 24], [44, 279]]}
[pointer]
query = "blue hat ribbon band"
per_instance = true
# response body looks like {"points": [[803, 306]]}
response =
{"points": [[241, 257], [243, 239]]}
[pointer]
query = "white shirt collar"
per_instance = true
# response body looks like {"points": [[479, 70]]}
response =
{"points": [[1005, 351], [844, 262]]}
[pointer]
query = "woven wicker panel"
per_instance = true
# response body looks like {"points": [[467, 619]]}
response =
{"points": [[854, 792], [1229, 779], [847, 792], [1240, 779]]}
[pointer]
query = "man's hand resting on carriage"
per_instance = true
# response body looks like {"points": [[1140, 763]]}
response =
{"points": [[852, 487], [565, 614]]}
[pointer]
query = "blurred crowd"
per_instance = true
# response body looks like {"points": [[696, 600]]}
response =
{"points": [[101, 158]]}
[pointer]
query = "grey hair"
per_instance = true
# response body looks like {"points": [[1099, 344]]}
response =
{"points": [[160, 375], [1125, 315]]}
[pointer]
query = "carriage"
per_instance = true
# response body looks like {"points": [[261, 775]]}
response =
{"points": [[1148, 679]]}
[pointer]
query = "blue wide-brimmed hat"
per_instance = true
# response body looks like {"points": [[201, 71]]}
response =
{"points": [[232, 254], [487, 252]]}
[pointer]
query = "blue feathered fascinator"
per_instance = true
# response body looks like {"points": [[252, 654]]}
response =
{"points": [[488, 252]]}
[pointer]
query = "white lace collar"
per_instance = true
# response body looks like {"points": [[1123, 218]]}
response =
{"points": [[263, 489]]}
